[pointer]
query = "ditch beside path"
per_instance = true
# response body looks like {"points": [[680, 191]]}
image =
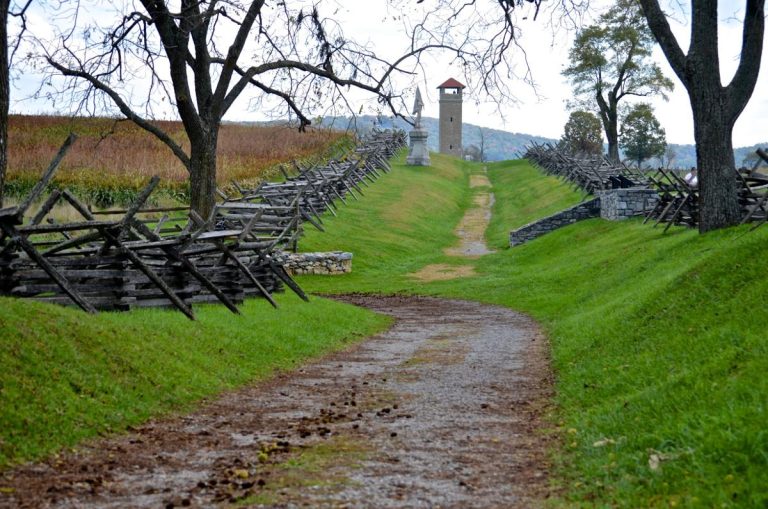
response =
{"points": [[442, 410]]}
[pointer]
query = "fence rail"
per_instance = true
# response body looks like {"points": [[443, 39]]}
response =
{"points": [[587, 173], [678, 202], [124, 259]]}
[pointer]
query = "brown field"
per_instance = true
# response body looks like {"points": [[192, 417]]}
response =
{"points": [[112, 154]]}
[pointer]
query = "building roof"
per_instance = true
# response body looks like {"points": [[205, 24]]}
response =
{"points": [[451, 83]]}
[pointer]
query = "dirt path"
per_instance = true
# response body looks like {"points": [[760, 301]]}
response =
{"points": [[442, 410], [470, 233], [471, 228]]}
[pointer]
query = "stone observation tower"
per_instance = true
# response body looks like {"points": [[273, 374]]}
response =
{"points": [[450, 117]]}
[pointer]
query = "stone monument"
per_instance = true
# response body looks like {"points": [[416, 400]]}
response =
{"points": [[419, 154]]}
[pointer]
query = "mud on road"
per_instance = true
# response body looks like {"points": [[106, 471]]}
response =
{"points": [[442, 410]]}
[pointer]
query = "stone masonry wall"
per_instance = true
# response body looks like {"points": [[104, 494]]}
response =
{"points": [[331, 263], [619, 204], [584, 210]]}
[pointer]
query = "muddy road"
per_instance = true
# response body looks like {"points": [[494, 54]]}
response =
{"points": [[442, 410]]}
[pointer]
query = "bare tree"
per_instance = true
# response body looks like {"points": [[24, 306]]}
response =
{"points": [[200, 56], [203, 56], [667, 160], [715, 107]]}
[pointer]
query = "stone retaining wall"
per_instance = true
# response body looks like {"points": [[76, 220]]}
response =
{"points": [[620, 204], [584, 210], [331, 263], [613, 205]]}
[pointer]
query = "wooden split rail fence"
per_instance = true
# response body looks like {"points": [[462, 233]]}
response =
{"points": [[679, 201], [144, 257], [319, 188], [587, 173]]}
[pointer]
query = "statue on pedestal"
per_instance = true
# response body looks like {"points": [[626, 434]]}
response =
{"points": [[419, 154], [418, 105]]}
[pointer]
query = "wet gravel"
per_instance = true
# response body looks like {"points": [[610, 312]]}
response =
{"points": [[443, 410]]}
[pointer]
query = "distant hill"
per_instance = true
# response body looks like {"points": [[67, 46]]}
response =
{"points": [[499, 145], [685, 155], [502, 145]]}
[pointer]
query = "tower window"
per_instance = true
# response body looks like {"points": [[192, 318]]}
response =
{"points": [[450, 147], [451, 119]]}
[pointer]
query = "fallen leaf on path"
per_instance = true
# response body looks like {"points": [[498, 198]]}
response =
{"points": [[241, 473]]}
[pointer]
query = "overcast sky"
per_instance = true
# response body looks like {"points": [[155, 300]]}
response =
{"points": [[541, 111]]}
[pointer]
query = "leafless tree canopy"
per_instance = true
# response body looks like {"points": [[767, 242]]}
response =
{"points": [[199, 57], [294, 53], [195, 58], [494, 62]]}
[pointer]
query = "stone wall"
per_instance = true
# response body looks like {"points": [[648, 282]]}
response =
{"points": [[584, 210], [331, 263], [619, 204]]}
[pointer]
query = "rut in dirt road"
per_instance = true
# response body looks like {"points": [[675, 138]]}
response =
{"points": [[442, 410]]}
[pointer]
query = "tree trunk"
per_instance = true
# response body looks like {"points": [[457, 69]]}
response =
{"points": [[715, 108], [612, 134], [610, 119], [202, 173], [611, 127], [718, 196], [4, 95]]}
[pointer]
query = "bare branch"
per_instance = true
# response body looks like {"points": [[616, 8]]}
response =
{"points": [[124, 108]]}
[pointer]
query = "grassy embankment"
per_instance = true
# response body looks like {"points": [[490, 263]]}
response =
{"points": [[67, 376], [658, 340], [112, 161]]}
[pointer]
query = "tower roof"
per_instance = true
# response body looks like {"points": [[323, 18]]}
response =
{"points": [[451, 83]]}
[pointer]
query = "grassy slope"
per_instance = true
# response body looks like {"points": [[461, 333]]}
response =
{"points": [[401, 224], [532, 198], [657, 356], [658, 340], [67, 376]]}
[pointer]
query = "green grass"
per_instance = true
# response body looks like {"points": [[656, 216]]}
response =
{"points": [[68, 376], [659, 341], [534, 197], [402, 223]]}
